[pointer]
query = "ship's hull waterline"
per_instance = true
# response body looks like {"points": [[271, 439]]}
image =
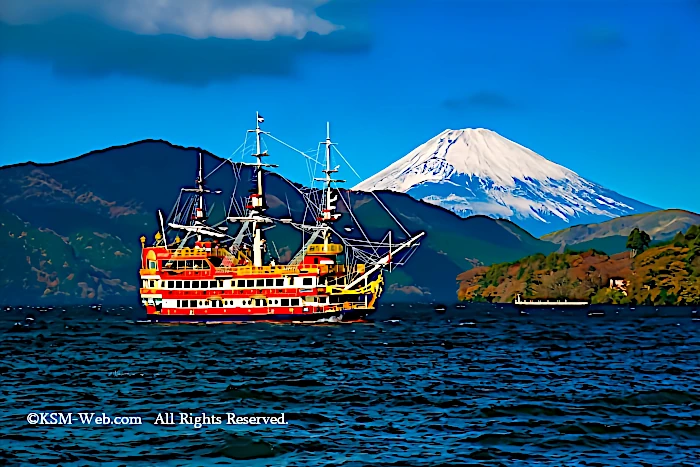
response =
{"points": [[344, 316]]}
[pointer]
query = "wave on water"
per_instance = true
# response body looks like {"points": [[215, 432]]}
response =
{"points": [[480, 385]]}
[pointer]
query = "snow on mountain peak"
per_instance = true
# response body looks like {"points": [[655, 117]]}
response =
{"points": [[473, 152], [478, 171]]}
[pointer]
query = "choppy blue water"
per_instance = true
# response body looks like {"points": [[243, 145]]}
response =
{"points": [[483, 385]]}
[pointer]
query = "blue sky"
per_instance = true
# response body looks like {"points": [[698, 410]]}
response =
{"points": [[608, 89]]}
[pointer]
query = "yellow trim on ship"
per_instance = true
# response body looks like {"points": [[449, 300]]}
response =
{"points": [[321, 249], [371, 288]]}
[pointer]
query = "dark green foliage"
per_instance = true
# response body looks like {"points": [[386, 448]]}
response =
{"points": [[665, 253], [679, 239], [496, 274], [693, 232], [666, 298], [536, 257], [638, 241], [551, 261], [585, 250], [694, 253], [646, 240]]}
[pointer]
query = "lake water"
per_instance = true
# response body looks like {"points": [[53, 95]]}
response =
{"points": [[483, 385]]}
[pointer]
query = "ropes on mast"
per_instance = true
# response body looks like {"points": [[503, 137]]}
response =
{"points": [[293, 148], [375, 195], [229, 157]]}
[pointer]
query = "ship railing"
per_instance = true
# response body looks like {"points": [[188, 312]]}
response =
{"points": [[222, 252], [187, 251], [252, 270], [319, 248], [283, 269]]}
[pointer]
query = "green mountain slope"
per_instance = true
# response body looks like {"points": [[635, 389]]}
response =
{"points": [[41, 266], [611, 236]]}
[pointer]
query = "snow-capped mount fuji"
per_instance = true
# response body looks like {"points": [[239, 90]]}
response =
{"points": [[478, 171]]}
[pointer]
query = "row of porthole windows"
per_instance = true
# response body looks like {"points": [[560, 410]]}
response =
{"points": [[249, 283], [193, 284], [183, 284], [281, 302]]}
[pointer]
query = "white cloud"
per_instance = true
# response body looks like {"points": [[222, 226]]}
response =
{"points": [[198, 19]]}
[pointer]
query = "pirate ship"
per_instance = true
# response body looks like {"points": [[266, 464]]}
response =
{"points": [[211, 275]]}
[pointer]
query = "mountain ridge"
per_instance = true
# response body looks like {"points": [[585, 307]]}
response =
{"points": [[99, 206], [611, 236], [660, 225], [103, 150], [478, 171]]}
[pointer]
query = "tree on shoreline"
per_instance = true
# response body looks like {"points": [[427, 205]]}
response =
{"points": [[637, 241]]}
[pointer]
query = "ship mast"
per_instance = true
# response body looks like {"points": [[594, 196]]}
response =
{"points": [[199, 213], [258, 200], [196, 212], [328, 213], [256, 204]]}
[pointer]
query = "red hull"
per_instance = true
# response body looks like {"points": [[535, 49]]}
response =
{"points": [[244, 315]]}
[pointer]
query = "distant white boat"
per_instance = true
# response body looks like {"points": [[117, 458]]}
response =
{"points": [[519, 301]]}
